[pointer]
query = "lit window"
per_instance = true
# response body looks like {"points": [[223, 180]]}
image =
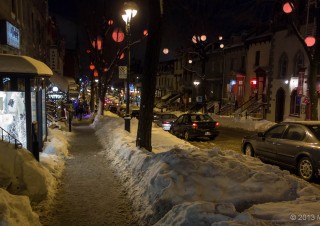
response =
{"points": [[295, 103]]}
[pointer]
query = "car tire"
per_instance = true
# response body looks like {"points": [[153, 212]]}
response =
{"points": [[186, 135], [248, 150], [305, 169]]}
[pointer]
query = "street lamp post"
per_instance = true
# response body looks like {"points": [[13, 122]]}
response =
{"points": [[201, 46], [130, 9], [196, 83]]}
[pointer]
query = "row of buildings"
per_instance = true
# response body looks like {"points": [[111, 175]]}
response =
{"points": [[32, 62], [263, 73]]}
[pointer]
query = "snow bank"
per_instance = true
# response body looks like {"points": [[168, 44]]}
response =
{"points": [[186, 185], [28, 180], [27, 176], [16, 210], [249, 123]]}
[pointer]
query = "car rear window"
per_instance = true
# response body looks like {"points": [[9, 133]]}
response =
{"points": [[316, 130], [169, 117], [200, 118]]}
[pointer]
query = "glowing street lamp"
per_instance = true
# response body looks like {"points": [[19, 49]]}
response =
{"points": [[130, 9]]}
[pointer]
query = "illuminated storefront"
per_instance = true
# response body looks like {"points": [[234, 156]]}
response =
{"points": [[22, 98]]}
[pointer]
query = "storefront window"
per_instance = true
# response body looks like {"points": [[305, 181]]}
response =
{"points": [[13, 115]]}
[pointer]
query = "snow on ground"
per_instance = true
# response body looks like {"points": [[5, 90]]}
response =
{"points": [[175, 184], [24, 180], [181, 184]]}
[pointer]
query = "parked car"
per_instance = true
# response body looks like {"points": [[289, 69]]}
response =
{"points": [[193, 125], [290, 144], [164, 120]]}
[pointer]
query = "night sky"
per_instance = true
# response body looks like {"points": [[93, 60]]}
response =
{"points": [[181, 19]]}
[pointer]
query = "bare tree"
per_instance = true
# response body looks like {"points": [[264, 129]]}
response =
{"points": [[149, 74]]}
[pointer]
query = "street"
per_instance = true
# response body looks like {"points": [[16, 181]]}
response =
{"points": [[228, 138]]}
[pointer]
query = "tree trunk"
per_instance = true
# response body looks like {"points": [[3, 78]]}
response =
{"points": [[314, 68], [149, 75]]}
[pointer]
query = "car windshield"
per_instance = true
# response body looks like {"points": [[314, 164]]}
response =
{"points": [[316, 130], [201, 118]]}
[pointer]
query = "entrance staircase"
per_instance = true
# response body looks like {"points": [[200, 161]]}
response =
{"points": [[254, 107]]}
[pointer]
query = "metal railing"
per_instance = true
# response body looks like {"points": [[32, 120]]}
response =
{"points": [[6, 136]]}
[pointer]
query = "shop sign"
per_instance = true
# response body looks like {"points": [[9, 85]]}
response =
{"points": [[122, 72], [10, 35]]}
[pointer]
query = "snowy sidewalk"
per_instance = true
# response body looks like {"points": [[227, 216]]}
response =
{"points": [[89, 194]]}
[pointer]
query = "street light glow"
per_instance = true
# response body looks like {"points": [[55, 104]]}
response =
{"points": [[131, 11], [203, 38]]}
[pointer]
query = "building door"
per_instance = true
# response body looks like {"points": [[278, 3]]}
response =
{"points": [[280, 103]]}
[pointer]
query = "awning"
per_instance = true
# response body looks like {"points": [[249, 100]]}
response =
{"points": [[60, 81], [23, 65]]}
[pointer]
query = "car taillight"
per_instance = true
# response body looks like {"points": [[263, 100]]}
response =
{"points": [[217, 124], [194, 125], [165, 122]]}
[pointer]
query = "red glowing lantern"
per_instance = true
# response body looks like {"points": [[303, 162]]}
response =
{"points": [[105, 69], [310, 41], [145, 33], [95, 73], [99, 43], [117, 35], [88, 51], [165, 50], [92, 67], [110, 22], [121, 56], [287, 7], [94, 44]]}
